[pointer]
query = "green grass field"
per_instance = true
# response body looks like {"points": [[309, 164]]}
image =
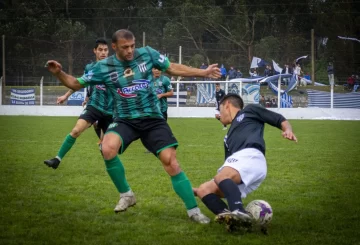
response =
{"points": [[313, 186]]}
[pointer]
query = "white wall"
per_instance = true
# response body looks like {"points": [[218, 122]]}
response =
{"points": [[290, 113]]}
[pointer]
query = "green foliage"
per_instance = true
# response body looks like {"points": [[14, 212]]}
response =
{"points": [[311, 185], [225, 31]]}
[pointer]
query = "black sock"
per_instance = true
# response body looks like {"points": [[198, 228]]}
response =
{"points": [[232, 194], [98, 131], [224, 125], [214, 203]]}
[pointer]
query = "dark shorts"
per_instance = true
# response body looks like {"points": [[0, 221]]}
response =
{"points": [[91, 115], [155, 133], [164, 113]]}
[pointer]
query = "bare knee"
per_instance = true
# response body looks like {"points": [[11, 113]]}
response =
{"points": [[203, 190], [207, 188], [169, 161], [76, 132], [108, 151]]}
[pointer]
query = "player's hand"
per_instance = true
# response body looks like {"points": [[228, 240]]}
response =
{"points": [[159, 96], [83, 103], [53, 66], [61, 99], [213, 71], [289, 135]]}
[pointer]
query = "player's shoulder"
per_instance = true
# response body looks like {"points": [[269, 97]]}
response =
{"points": [[253, 107], [147, 50], [89, 66], [166, 79]]}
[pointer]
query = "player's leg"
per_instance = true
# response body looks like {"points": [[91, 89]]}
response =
{"points": [[117, 138], [241, 174], [86, 119], [210, 195], [158, 138], [80, 126]]}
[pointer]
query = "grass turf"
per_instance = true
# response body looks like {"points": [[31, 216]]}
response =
{"points": [[313, 186]]}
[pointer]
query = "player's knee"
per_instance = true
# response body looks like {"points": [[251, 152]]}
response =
{"points": [[75, 132], [203, 190], [108, 151], [168, 158]]}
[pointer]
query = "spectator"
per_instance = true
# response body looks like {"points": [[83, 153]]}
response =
{"points": [[232, 73], [238, 73], [268, 71], [262, 101], [351, 82], [223, 72], [286, 70], [203, 66], [330, 71], [357, 83]]}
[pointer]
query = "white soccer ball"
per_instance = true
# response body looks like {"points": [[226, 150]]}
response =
{"points": [[261, 211]]}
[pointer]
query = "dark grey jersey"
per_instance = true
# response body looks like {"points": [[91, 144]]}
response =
{"points": [[218, 96], [247, 129]]}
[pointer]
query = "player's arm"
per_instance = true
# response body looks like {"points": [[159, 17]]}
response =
{"points": [[274, 119], [287, 131], [64, 97], [212, 71], [67, 80], [162, 63]]}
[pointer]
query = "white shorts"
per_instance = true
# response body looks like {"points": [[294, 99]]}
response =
{"points": [[251, 165], [217, 112]]}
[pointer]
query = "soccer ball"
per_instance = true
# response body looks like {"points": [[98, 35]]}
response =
{"points": [[261, 211]]}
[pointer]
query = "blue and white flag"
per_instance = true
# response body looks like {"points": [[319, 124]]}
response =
{"points": [[22, 96], [286, 101], [205, 93], [182, 98], [258, 62], [301, 57], [277, 68], [349, 38]]}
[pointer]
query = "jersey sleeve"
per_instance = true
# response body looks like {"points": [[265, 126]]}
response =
{"points": [[267, 116], [160, 61], [92, 76], [167, 84]]}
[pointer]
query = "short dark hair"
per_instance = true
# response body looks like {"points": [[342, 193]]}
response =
{"points": [[234, 99], [217, 84], [122, 34], [100, 41]]}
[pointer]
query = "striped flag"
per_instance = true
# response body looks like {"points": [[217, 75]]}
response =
{"points": [[286, 101]]}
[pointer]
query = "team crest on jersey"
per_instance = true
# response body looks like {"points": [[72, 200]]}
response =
{"points": [[128, 72], [114, 76], [142, 67], [101, 87], [88, 75], [112, 125], [160, 83], [130, 91], [240, 118]]}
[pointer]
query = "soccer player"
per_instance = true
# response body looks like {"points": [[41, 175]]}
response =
{"points": [[99, 108], [245, 166], [219, 94], [127, 75], [163, 88]]}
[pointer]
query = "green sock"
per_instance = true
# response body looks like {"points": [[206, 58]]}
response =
{"points": [[182, 187], [116, 171], [66, 146]]}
